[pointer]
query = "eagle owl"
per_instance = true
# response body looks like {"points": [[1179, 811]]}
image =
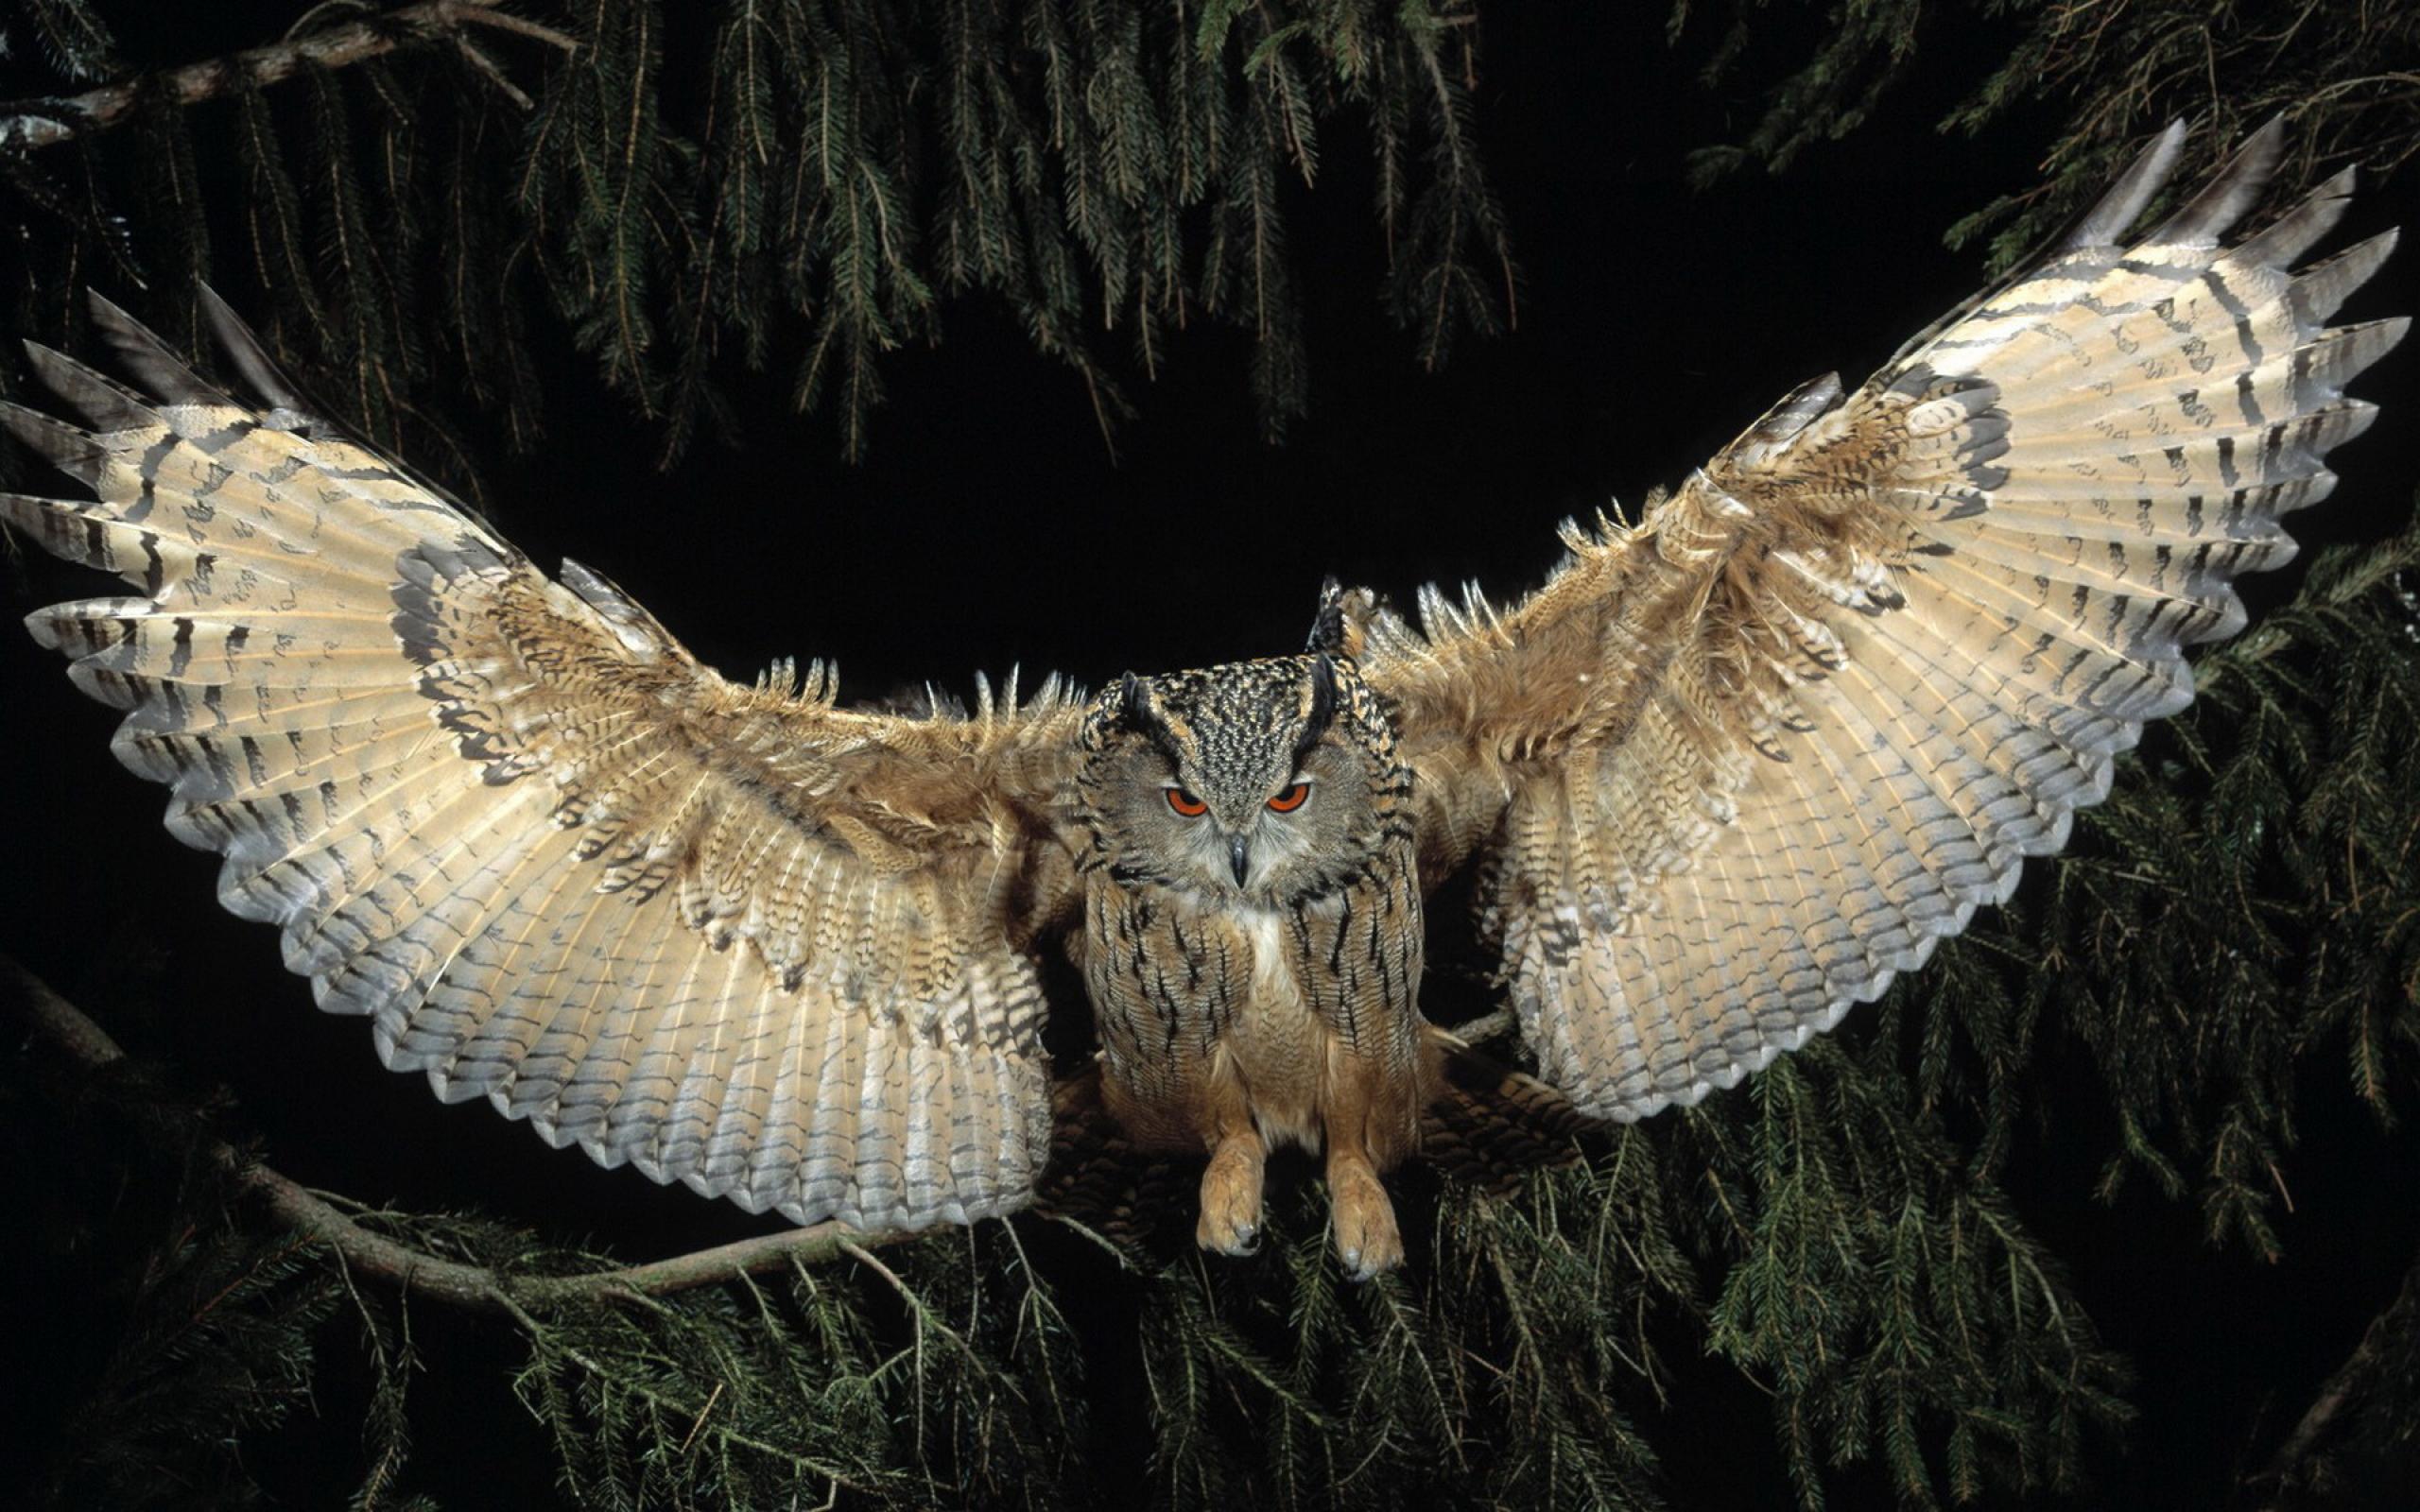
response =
{"points": [[1724, 775]]}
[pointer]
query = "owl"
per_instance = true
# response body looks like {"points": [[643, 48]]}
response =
{"points": [[1731, 769]]}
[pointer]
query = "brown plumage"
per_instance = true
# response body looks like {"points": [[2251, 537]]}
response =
{"points": [[1725, 774], [1253, 937]]}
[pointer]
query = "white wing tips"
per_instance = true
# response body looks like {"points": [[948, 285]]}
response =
{"points": [[2150, 434], [2300, 228], [105, 403], [68, 448], [288, 409], [1787, 419], [2320, 288], [2123, 204], [2231, 193], [151, 362]]}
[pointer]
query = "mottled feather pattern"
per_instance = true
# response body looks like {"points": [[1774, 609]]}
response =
{"points": [[1253, 939], [1768, 746], [1178, 984], [1177, 990], [734, 937]]}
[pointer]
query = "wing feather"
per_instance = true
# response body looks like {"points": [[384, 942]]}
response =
{"points": [[739, 938], [1749, 759]]}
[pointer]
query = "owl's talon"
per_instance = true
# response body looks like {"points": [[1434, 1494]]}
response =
{"points": [[1224, 1236], [1230, 1221], [1367, 1240]]}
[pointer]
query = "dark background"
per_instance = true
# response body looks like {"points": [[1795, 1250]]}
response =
{"points": [[989, 526]]}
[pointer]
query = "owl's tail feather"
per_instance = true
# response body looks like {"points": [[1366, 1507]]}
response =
{"points": [[1490, 1126]]}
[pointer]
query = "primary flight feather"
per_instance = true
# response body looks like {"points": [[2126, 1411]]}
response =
{"points": [[1724, 775]]}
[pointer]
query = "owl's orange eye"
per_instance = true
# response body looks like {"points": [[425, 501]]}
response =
{"points": [[1288, 801], [1186, 804]]}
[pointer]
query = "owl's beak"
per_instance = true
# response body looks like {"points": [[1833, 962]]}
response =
{"points": [[1239, 854]]}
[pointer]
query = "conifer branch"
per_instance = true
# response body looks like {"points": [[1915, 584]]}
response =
{"points": [[365, 1251], [2344, 72], [798, 186], [28, 126]]}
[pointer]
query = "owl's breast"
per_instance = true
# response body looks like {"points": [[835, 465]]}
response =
{"points": [[1173, 976], [1197, 1001], [1277, 1046], [1272, 988]]}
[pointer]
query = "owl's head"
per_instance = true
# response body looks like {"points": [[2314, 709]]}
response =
{"points": [[1270, 780]]}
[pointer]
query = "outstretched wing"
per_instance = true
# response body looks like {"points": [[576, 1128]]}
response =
{"points": [[1730, 770], [735, 937]]}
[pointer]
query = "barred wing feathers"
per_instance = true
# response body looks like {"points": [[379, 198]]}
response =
{"points": [[1732, 769], [735, 936]]}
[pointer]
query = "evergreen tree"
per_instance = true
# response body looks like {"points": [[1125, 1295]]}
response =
{"points": [[491, 236]]}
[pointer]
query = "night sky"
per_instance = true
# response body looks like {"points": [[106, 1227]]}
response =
{"points": [[989, 526]]}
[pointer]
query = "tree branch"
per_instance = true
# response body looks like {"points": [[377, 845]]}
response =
{"points": [[368, 1252], [2291, 1466], [28, 126], [1485, 1027]]}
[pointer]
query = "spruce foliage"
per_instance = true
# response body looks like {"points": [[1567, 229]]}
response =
{"points": [[1108, 171], [2346, 73]]}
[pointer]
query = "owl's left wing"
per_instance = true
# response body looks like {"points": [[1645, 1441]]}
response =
{"points": [[735, 936], [1731, 769]]}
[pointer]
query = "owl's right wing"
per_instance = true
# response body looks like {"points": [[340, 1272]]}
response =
{"points": [[1733, 768], [735, 936]]}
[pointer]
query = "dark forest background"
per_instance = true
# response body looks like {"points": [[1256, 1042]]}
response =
{"points": [[1657, 307]]}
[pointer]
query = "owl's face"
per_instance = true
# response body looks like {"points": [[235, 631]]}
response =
{"points": [[1256, 782]]}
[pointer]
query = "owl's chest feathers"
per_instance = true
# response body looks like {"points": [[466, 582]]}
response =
{"points": [[1210, 1010], [1277, 1048]]}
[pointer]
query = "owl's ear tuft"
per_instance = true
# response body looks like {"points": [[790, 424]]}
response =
{"points": [[1328, 627], [1137, 709], [1134, 707], [1337, 628], [1321, 712], [1119, 709]]}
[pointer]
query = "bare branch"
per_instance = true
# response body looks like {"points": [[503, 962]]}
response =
{"points": [[30, 125], [492, 72], [368, 1252], [1486, 1027], [2292, 1466]]}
